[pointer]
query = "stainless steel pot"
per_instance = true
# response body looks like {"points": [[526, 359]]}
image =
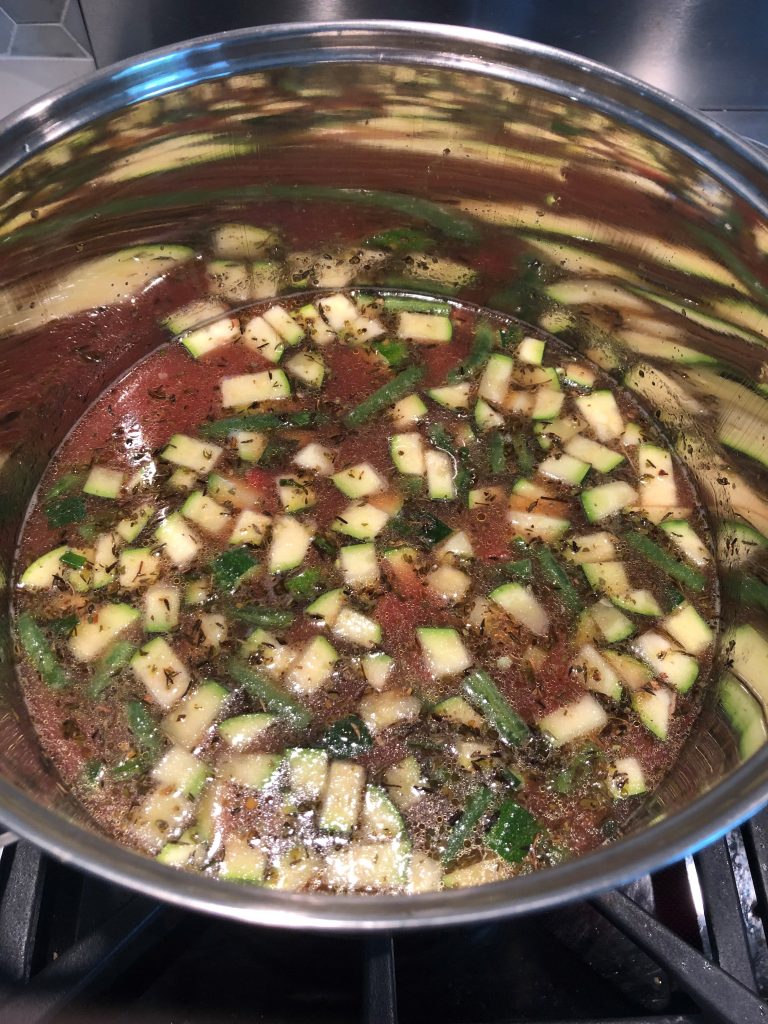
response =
{"points": [[482, 137]]}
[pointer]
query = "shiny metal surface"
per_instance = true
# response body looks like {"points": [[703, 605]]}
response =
{"points": [[490, 142]]}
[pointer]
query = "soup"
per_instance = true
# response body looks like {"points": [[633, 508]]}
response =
{"points": [[364, 591]]}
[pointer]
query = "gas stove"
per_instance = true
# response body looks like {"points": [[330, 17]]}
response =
{"points": [[687, 944]]}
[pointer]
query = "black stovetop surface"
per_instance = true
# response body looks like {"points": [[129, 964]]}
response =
{"points": [[76, 949]]}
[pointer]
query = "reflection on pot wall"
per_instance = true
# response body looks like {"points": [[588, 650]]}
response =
{"points": [[575, 220]]}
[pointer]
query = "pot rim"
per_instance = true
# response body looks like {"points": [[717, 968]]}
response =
{"points": [[710, 815]]}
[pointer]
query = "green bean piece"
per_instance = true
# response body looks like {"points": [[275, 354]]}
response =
{"points": [[401, 240], [497, 458], [146, 733], [65, 485], [481, 691], [230, 566], [387, 395], [655, 554], [273, 698], [513, 832], [394, 352], [63, 511], [521, 570], [523, 456], [485, 340], [40, 653], [748, 590], [477, 805], [305, 584], [259, 615], [258, 421], [556, 576], [395, 304], [108, 666]]}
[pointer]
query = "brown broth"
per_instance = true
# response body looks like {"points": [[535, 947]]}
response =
{"points": [[169, 392]]}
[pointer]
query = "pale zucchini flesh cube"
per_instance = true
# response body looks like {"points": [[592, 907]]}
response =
{"points": [[178, 542], [381, 710], [359, 481], [377, 669], [242, 862], [248, 389], [441, 473], [308, 368], [137, 568], [315, 457], [522, 605], [161, 608], [356, 628], [95, 633], [242, 731], [625, 778], [307, 772], [188, 722], [103, 482], [361, 520], [443, 650], [574, 721], [424, 327], [165, 677], [250, 444], [261, 337], [326, 608], [188, 452], [250, 528], [408, 411], [449, 583], [290, 543], [342, 797], [253, 771], [689, 629], [281, 320], [359, 565], [314, 666], [206, 513], [295, 493], [129, 528], [591, 547], [40, 574]]}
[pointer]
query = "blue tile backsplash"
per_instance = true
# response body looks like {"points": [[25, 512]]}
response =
{"points": [[42, 28]]}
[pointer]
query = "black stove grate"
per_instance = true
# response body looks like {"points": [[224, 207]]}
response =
{"points": [[685, 945]]}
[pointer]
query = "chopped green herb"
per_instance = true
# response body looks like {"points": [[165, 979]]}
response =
{"points": [[349, 737], [513, 832], [146, 732]]}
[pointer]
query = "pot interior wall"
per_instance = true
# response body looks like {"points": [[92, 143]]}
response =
{"points": [[576, 217]]}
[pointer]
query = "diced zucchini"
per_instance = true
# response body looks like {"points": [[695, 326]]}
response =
{"points": [[484, 497], [547, 404], [253, 771], [240, 241], [40, 574], [579, 375], [408, 411], [407, 452], [250, 528], [602, 458], [189, 453], [250, 444], [270, 654], [212, 628], [197, 592], [625, 778], [105, 555], [194, 313], [290, 543], [202, 340], [339, 311], [581, 718], [486, 416], [457, 544], [182, 479], [137, 567], [243, 730], [522, 605], [178, 542], [261, 337], [595, 673], [316, 327], [591, 547], [658, 491], [684, 537], [607, 577], [129, 528], [607, 500], [403, 782], [252, 388], [307, 772], [633, 673], [308, 368], [359, 565], [187, 724], [531, 350], [448, 583], [451, 396], [315, 457], [161, 608], [613, 625], [356, 628], [747, 651], [231, 491], [669, 665], [443, 651], [441, 472], [242, 862], [359, 481], [565, 468], [602, 413], [326, 608], [103, 482], [369, 867], [739, 542], [381, 710], [342, 798], [230, 279], [639, 601], [380, 819], [295, 493], [281, 321], [424, 327], [95, 633], [686, 626], [456, 709], [377, 668], [481, 872], [205, 513], [161, 671], [494, 382], [654, 705], [313, 667], [536, 526], [361, 520], [266, 278]]}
